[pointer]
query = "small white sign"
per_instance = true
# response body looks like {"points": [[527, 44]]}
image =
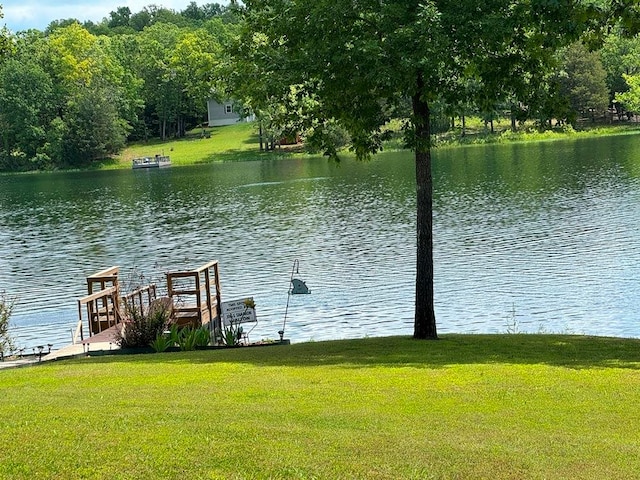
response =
{"points": [[235, 312]]}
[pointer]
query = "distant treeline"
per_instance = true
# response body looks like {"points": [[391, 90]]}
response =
{"points": [[77, 92]]}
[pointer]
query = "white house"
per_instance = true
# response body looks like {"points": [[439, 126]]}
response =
{"points": [[223, 113]]}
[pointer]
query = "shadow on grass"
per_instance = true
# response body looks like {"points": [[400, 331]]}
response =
{"points": [[250, 138], [575, 352]]}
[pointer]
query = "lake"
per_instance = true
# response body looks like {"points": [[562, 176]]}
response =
{"points": [[537, 237]]}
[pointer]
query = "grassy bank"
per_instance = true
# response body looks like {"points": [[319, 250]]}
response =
{"points": [[240, 142], [216, 144], [467, 406], [478, 134]]}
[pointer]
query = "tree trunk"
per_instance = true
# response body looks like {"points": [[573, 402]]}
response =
{"points": [[425, 319], [260, 135], [181, 127]]}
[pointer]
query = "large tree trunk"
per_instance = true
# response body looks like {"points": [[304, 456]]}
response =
{"points": [[425, 318]]}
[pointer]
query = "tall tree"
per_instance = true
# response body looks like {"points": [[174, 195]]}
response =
{"points": [[620, 56], [193, 12], [194, 61], [359, 58], [5, 40], [583, 81], [25, 112], [178, 66], [93, 91], [119, 18], [162, 90]]}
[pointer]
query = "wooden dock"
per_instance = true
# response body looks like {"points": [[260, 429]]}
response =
{"points": [[80, 350], [77, 350], [194, 296]]}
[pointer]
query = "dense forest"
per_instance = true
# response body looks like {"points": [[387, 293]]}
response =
{"points": [[78, 92]]}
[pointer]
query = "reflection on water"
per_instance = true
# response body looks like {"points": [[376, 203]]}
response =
{"points": [[535, 237]]}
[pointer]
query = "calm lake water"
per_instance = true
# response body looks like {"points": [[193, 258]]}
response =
{"points": [[537, 238]]}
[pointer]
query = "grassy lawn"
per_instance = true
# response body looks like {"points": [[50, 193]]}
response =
{"points": [[477, 133], [240, 142], [464, 407], [212, 144]]}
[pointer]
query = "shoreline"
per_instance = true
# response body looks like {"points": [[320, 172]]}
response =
{"points": [[101, 348], [195, 150]]}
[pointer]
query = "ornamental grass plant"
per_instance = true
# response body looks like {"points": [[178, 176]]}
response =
{"points": [[463, 407]]}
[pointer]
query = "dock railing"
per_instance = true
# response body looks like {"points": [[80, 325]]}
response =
{"points": [[103, 279], [140, 298], [196, 295], [102, 312]]}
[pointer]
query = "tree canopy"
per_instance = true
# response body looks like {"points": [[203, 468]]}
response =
{"points": [[5, 41], [337, 71], [75, 94], [359, 60], [158, 65], [631, 98], [334, 72]]}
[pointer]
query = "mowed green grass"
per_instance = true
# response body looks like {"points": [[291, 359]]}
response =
{"points": [[463, 407], [232, 142], [240, 142]]}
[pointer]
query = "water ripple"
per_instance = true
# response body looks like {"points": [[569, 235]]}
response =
{"points": [[541, 238]]}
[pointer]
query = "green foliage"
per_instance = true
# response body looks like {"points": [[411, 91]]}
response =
{"points": [[631, 98], [26, 93], [620, 56], [189, 338], [327, 138], [145, 73], [336, 72], [6, 46], [65, 100], [162, 342], [142, 326], [381, 54], [6, 341], [91, 136], [583, 81], [230, 335], [203, 336], [119, 18], [178, 67]]}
